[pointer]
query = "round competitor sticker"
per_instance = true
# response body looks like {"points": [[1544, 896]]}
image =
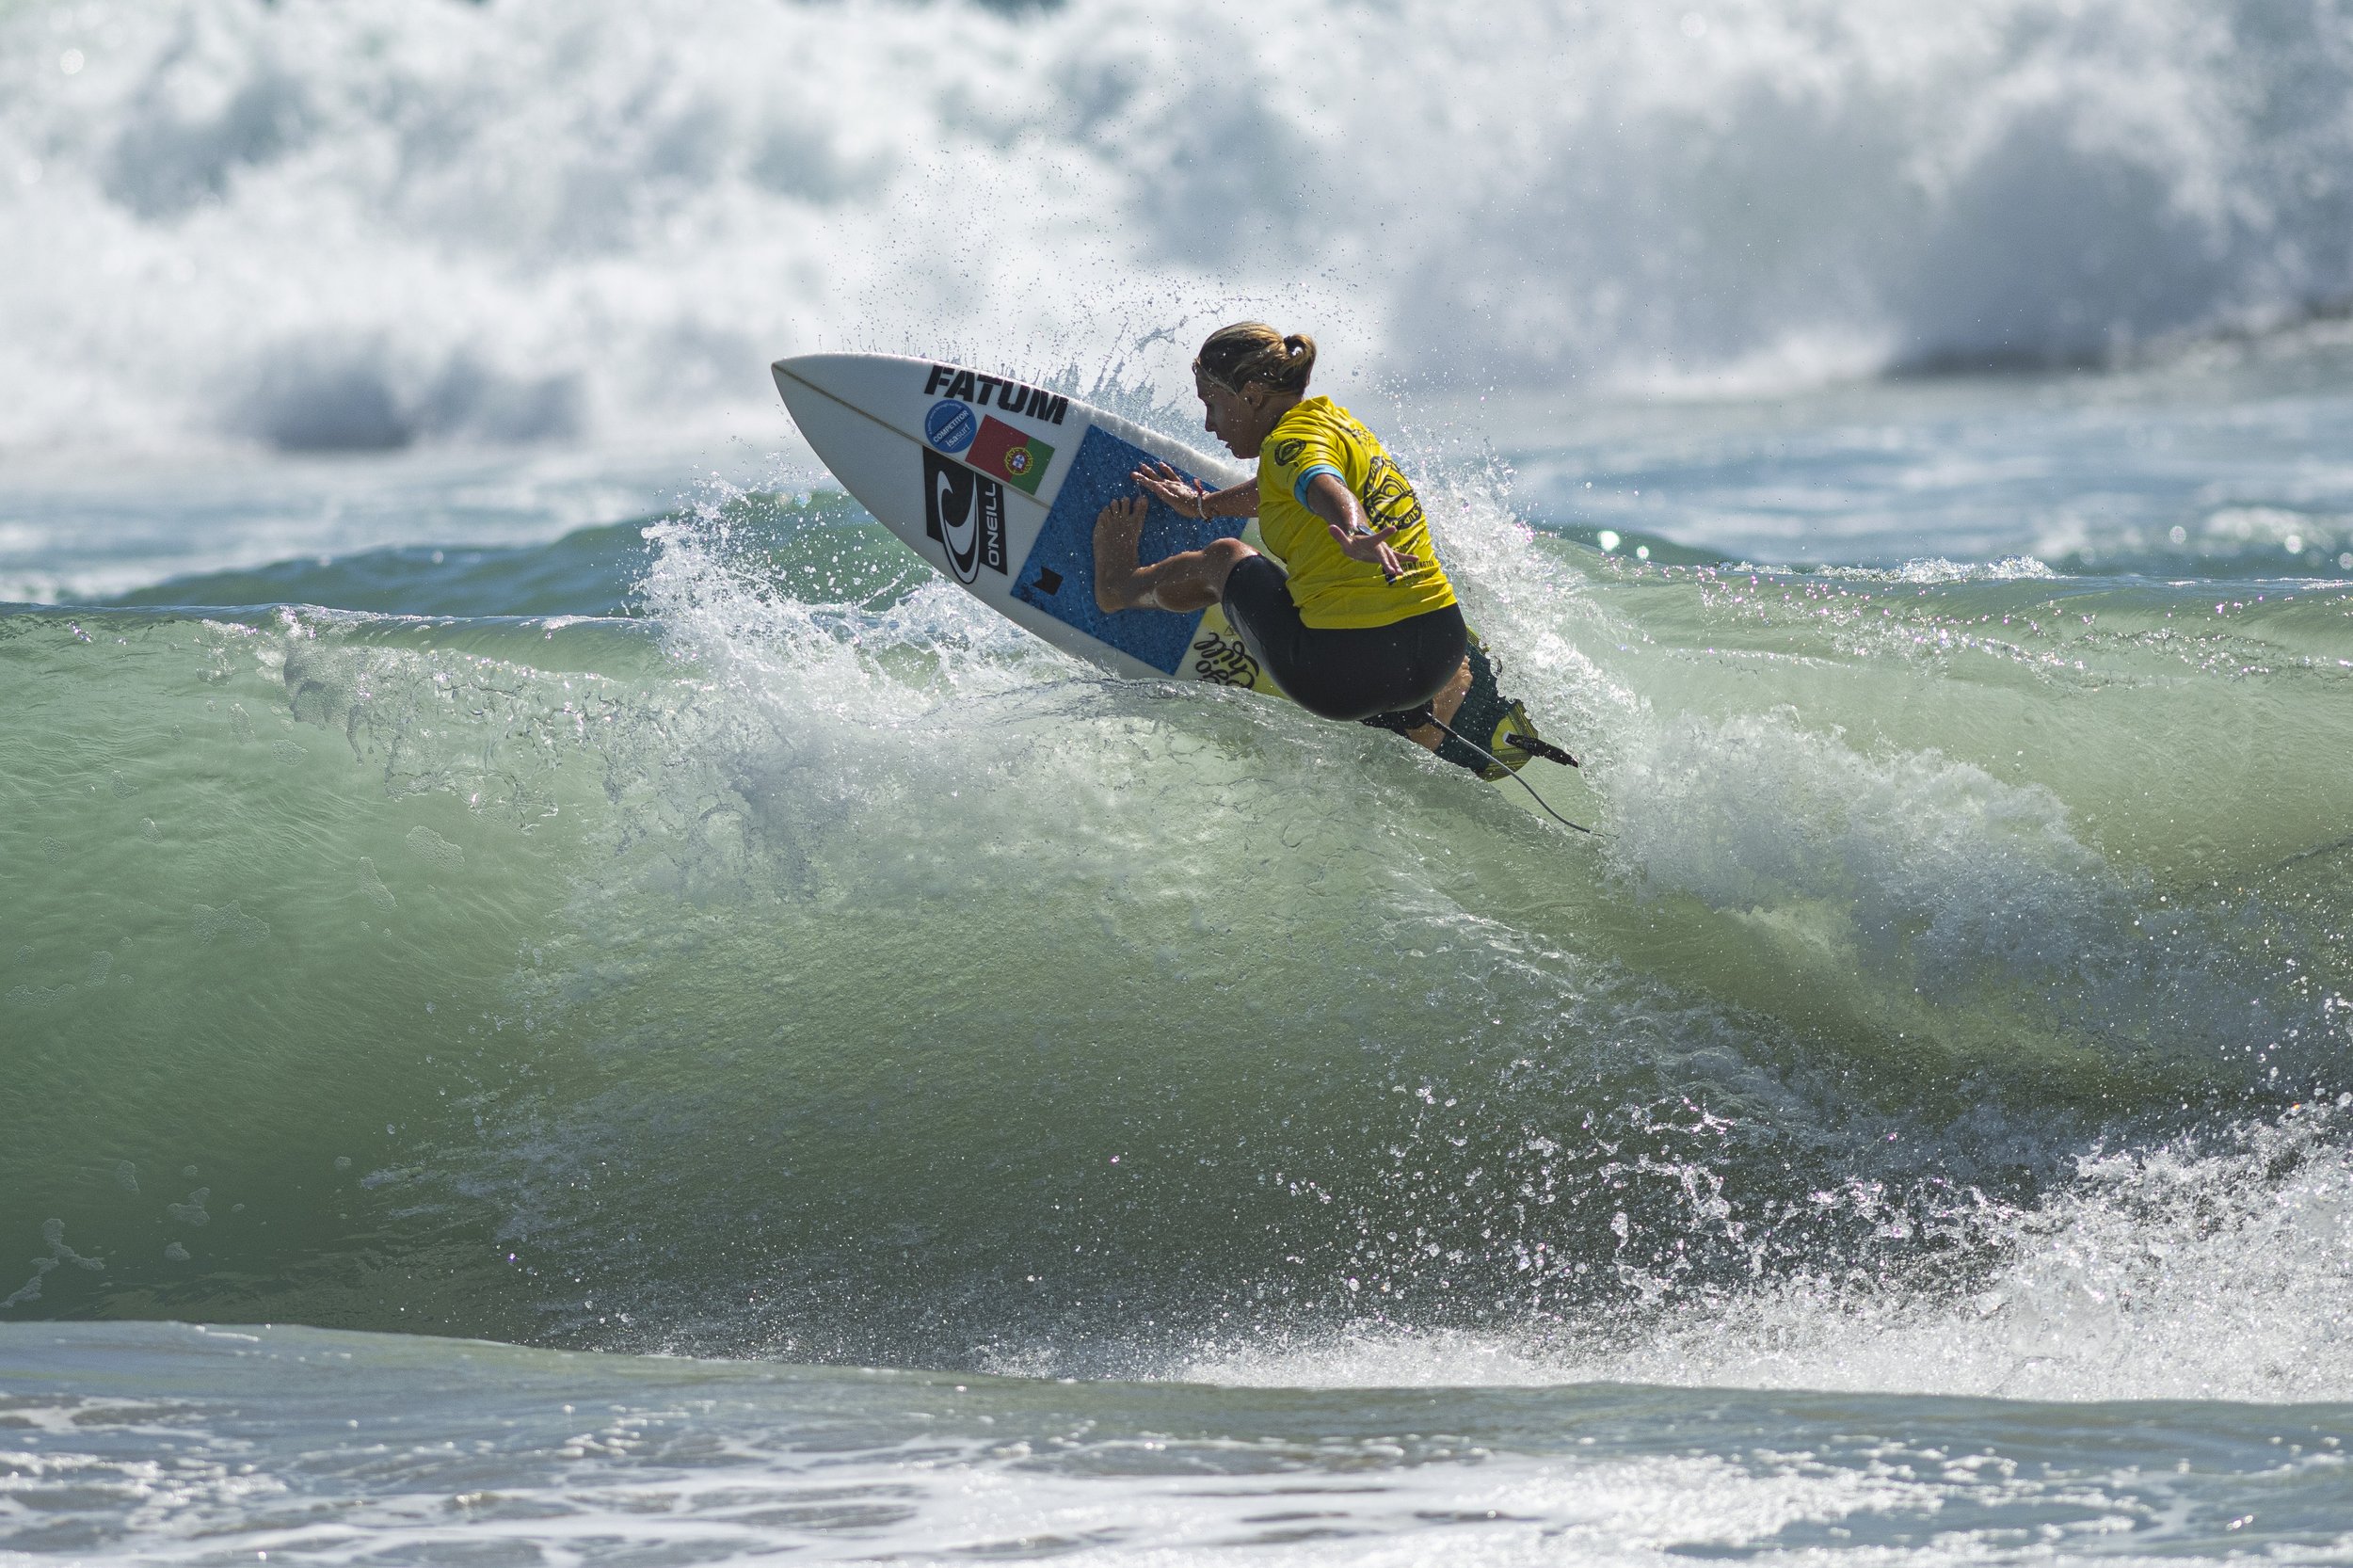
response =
{"points": [[950, 425]]}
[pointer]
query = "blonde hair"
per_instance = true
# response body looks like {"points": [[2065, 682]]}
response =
{"points": [[1252, 351]]}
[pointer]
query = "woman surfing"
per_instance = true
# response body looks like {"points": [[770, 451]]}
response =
{"points": [[1358, 622]]}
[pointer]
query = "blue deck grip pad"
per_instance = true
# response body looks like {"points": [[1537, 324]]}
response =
{"points": [[1059, 576]]}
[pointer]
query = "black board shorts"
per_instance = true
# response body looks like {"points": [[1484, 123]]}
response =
{"points": [[1345, 673]]}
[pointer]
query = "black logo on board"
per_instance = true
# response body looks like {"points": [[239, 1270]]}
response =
{"points": [[1012, 396], [1224, 662], [966, 513]]}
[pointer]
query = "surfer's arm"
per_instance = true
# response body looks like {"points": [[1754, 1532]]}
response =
{"points": [[1337, 506], [1187, 499]]}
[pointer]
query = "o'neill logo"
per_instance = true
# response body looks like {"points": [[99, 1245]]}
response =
{"points": [[966, 513]]}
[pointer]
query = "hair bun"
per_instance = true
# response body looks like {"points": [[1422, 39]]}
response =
{"points": [[1252, 351]]}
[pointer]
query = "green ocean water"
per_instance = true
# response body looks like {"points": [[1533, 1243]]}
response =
{"points": [[812, 968], [564, 1000], [800, 969]]}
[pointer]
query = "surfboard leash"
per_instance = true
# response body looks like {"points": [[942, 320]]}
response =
{"points": [[1531, 744], [1522, 742]]}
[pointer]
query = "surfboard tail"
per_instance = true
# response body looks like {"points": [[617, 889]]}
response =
{"points": [[1500, 723]]}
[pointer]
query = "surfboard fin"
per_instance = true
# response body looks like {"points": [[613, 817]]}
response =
{"points": [[1545, 749], [1508, 736]]}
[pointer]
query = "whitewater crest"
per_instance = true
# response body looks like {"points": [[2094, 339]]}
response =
{"points": [[219, 221]]}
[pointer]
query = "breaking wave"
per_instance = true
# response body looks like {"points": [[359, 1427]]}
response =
{"points": [[817, 967], [316, 226]]}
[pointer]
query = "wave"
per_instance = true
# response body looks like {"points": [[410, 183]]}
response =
{"points": [[815, 966], [590, 571], [222, 222], [825, 538]]}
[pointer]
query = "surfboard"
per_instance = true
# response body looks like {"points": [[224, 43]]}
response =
{"points": [[997, 482]]}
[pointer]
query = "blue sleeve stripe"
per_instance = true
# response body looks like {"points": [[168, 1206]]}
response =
{"points": [[1299, 486]]}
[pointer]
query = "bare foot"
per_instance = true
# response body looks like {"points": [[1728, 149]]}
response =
{"points": [[1444, 705], [1118, 527]]}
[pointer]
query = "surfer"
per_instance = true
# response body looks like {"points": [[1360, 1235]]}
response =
{"points": [[1358, 622]]}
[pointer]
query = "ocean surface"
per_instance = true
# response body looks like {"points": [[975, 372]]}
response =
{"points": [[564, 1000]]}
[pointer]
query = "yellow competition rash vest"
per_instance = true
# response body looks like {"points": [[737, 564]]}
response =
{"points": [[1332, 590]]}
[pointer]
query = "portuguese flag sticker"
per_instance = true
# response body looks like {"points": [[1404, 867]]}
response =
{"points": [[1004, 453]]}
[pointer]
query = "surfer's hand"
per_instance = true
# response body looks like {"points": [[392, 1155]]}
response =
{"points": [[1375, 550], [1171, 490]]}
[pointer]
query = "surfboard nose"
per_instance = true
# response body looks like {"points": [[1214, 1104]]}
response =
{"points": [[803, 365], [882, 385], [802, 370]]}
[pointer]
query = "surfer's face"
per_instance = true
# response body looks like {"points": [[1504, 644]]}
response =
{"points": [[1240, 418]]}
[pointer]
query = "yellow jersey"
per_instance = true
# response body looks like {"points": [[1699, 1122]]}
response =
{"points": [[1331, 588]]}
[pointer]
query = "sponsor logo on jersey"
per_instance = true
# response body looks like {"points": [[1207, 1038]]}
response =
{"points": [[949, 424], [1287, 453], [1003, 393], [1001, 452], [1388, 495], [966, 513]]}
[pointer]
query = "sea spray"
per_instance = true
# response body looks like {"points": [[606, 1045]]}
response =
{"points": [[221, 223]]}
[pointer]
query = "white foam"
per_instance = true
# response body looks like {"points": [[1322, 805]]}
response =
{"points": [[313, 225], [2176, 1272]]}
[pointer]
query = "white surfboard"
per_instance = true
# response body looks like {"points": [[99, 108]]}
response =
{"points": [[997, 482]]}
